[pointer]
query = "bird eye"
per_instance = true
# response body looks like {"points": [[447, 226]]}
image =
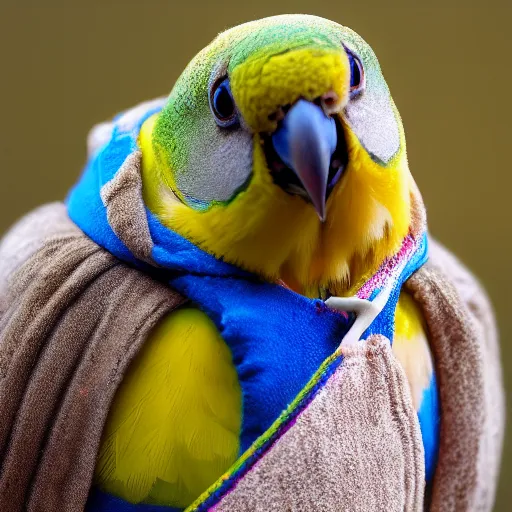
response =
{"points": [[356, 73], [222, 104]]}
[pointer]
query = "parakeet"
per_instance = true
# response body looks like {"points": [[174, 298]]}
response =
{"points": [[279, 151], [239, 305]]}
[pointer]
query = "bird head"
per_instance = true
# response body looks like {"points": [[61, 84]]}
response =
{"points": [[281, 151]]}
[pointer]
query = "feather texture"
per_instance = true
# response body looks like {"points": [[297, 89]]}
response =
{"points": [[410, 346], [174, 426], [412, 349]]}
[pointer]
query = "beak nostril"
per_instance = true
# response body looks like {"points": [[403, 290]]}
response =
{"points": [[278, 115], [330, 102]]}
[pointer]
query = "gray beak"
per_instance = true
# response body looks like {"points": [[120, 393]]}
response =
{"points": [[305, 142]]}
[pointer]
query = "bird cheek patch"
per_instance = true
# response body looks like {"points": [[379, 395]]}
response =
{"points": [[373, 119], [219, 165]]}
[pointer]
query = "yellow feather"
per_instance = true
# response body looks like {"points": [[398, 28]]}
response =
{"points": [[174, 425], [411, 348], [262, 84]]}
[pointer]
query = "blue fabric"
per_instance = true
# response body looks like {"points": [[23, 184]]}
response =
{"points": [[278, 338], [100, 501], [385, 321], [429, 417], [276, 356]]}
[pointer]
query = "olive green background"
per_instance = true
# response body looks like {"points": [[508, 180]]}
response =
{"points": [[449, 68]]}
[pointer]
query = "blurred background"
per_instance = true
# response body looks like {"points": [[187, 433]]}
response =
{"points": [[64, 69]]}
